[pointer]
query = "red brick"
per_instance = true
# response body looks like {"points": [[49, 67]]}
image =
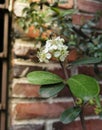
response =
{"points": [[92, 124], [25, 90], [89, 6], [80, 19], [89, 70], [31, 91], [23, 70], [18, 70], [39, 110], [27, 127], [64, 93], [45, 110], [60, 72]]}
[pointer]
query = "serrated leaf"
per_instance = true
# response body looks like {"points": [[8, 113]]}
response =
{"points": [[88, 60], [43, 78], [84, 87], [51, 90], [70, 114]]}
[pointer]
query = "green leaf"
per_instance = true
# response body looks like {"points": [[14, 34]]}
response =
{"points": [[43, 78], [88, 60], [84, 87], [51, 90], [55, 10], [98, 102], [70, 114], [32, 4], [62, 12], [25, 10]]}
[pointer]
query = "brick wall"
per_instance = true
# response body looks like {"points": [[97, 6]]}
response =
{"points": [[27, 109]]}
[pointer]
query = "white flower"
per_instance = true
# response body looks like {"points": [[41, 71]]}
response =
{"points": [[53, 48], [43, 56], [58, 39], [57, 54], [63, 55], [48, 55]]}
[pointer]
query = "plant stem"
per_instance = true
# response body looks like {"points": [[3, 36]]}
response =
{"points": [[82, 120], [81, 113], [66, 76], [64, 69]]}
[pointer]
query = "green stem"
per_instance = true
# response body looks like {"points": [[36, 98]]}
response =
{"points": [[82, 120], [66, 76], [64, 69], [81, 114]]}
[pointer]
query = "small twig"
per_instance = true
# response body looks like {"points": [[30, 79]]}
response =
{"points": [[64, 69], [82, 120]]}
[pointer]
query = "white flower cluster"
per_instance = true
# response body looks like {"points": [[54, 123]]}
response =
{"points": [[54, 48]]}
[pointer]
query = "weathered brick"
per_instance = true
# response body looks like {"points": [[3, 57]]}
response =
{"points": [[73, 55], [92, 124], [27, 110], [22, 47], [18, 7], [45, 110], [39, 110], [64, 93], [25, 49], [23, 70], [89, 6], [66, 5], [25, 90], [27, 127], [80, 19], [89, 70], [60, 72], [20, 90]]}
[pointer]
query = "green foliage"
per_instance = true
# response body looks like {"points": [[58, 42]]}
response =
{"points": [[47, 91], [70, 114], [44, 15], [87, 60], [43, 78], [33, 16], [83, 86], [86, 40]]}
